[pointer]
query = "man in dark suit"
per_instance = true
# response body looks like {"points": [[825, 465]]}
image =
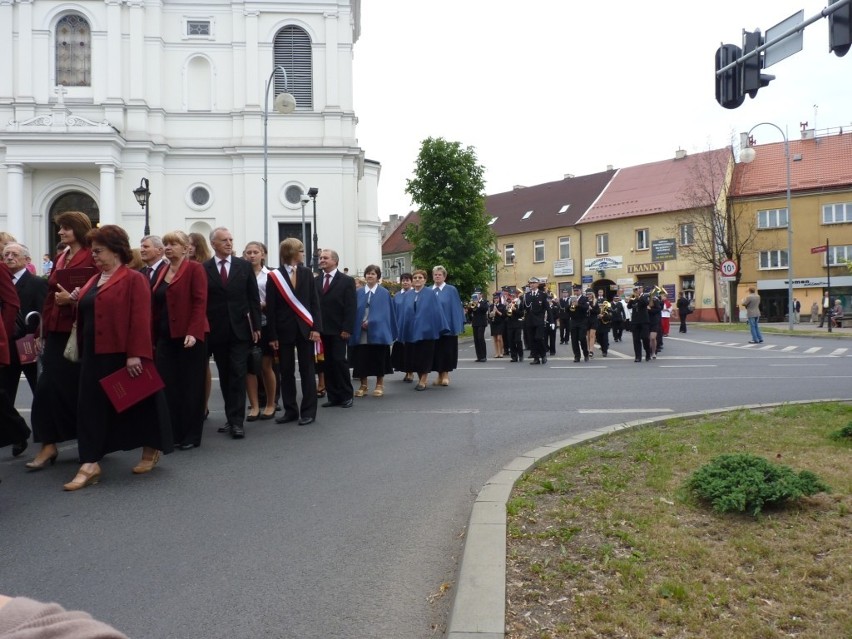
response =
{"points": [[294, 324], [31, 292], [232, 298], [151, 251], [338, 304]]}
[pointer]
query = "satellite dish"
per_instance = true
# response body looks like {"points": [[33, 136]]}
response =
{"points": [[284, 103]]}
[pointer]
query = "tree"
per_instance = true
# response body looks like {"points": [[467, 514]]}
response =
{"points": [[449, 189], [720, 228]]}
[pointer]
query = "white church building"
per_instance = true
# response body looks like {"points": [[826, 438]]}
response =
{"points": [[96, 97]]}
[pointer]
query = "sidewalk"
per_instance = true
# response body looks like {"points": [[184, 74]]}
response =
{"points": [[778, 328]]}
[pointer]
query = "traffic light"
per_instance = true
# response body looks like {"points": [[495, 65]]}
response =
{"points": [[752, 78], [729, 92], [840, 29]]}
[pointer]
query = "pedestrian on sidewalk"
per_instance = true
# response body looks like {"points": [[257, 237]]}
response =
{"points": [[751, 302]]}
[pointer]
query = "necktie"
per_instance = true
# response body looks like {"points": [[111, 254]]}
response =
{"points": [[223, 272], [148, 271], [327, 283], [293, 276]]}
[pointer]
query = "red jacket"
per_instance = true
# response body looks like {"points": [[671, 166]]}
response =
{"points": [[9, 305], [122, 314], [186, 299], [58, 319]]}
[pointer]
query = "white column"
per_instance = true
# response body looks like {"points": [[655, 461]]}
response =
{"points": [[113, 45], [137, 50], [252, 83], [15, 201], [6, 48], [25, 51], [332, 79], [107, 203]]}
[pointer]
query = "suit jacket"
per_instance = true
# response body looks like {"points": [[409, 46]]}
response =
{"points": [[122, 314], [32, 291], [59, 318], [161, 267], [338, 304], [9, 305], [229, 307], [186, 301], [282, 322]]}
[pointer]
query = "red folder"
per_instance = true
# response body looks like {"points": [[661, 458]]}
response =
{"points": [[26, 349], [125, 391], [71, 278]]}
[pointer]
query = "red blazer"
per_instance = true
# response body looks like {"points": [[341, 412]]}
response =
{"points": [[122, 314], [186, 299], [59, 319], [9, 305]]}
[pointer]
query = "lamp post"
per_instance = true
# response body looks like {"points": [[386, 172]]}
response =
{"points": [[747, 155], [143, 195], [305, 199], [312, 193], [284, 103]]}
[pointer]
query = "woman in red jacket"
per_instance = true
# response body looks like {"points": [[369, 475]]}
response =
{"points": [[54, 416], [180, 325], [114, 331]]}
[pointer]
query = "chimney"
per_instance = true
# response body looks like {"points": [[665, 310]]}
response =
{"points": [[567, 176], [680, 154], [609, 167], [807, 134], [518, 187]]}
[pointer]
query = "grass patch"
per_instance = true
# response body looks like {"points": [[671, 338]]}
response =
{"points": [[809, 330], [606, 541]]}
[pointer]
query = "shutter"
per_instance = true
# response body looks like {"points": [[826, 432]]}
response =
{"points": [[292, 50]]}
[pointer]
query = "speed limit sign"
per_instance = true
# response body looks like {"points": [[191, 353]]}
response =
{"points": [[728, 268]]}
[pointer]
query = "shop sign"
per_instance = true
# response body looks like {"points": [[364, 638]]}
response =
{"points": [[603, 263], [563, 267], [664, 249], [648, 267]]}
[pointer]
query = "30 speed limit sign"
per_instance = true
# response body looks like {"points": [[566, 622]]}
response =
{"points": [[728, 268]]}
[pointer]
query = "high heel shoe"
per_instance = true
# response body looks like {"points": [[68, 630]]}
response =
{"points": [[89, 478], [146, 465], [321, 392], [361, 391], [41, 465], [380, 390]]}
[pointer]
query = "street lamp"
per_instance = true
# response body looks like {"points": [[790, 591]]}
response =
{"points": [[142, 195], [312, 193], [284, 103], [305, 199], [747, 155]]}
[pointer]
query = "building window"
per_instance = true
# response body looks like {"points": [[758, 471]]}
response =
{"points": [[837, 213], [642, 242], [602, 243], [509, 254], [687, 234], [772, 219], [293, 194], [527, 215], [292, 50], [199, 197], [198, 28], [839, 255], [564, 248], [773, 259], [73, 52], [538, 251]]}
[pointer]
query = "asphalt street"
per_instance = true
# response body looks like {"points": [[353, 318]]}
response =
{"points": [[348, 528]]}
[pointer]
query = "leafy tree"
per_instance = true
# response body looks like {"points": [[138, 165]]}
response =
{"points": [[453, 231]]}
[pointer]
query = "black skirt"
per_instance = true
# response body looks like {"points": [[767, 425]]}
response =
{"points": [[371, 360], [446, 353], [54, 416], [419, 356]]}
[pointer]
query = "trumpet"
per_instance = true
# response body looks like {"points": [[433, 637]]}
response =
{"points": [[472, 305]]}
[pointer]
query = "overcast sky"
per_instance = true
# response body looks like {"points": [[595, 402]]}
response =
{"points": [[548, 87]]}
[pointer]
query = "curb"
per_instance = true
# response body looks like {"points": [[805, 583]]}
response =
{"points": [[479, 606]]}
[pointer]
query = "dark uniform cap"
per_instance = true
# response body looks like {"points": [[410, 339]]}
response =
{"points": [[534, 280]]}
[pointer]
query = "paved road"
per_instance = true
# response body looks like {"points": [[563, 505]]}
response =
{"points": [[344, 529]]}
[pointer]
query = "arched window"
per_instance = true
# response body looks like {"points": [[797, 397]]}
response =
{"points": [[292, 50], [199, 86], [73, 52], [71, 201]]}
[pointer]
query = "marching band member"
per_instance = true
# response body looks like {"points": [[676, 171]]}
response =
{"points": [[515, 327], [591, 329], [578, 312], [603, 325], [477, 314], [618, 318], [497, 313], [639, 322], [535, 318]]}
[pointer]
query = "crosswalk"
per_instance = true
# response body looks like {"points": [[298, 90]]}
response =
{"points": [[801, 350]]}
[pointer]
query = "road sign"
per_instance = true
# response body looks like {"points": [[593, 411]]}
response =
{"points": [[728, 268], [819, 249], [725, 278], [789, 45]]}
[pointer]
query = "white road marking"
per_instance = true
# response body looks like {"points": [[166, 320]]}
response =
{"points": [[838, 351], [798, 365], [587, 411], [768, 347], [687, 366], [787, 349], [813, 350]]}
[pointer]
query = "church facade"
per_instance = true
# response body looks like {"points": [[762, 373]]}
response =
{"points": [[99, 98]]}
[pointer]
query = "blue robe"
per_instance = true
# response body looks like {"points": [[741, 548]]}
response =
{"points": [[382, 322], [452, 306], [426, 321]]}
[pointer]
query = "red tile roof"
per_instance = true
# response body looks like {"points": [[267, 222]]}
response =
{"points": [[821, 163], [396, 242], [545, 201], [657, 187]]}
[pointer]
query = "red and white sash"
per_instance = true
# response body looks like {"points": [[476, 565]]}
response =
{"points": [[291, 299]]}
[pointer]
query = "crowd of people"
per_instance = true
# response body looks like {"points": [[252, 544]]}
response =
{"points": [[157, 314]]}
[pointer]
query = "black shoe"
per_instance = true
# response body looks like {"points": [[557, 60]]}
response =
{"points": [[252, 418], [576, 359], [535, 362], [514, 359], [20, 447], [329, 404], [638, 360], [586, 358], [224, 429], [286, 419], [347, 404], [544, 359], [604, 354], [647, 358], [305, 421], [185, 446], [237, 432], [482, 360]]}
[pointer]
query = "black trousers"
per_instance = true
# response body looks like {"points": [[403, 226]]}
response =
{"points": [[13, 428], [304, 348], [617, 331], [183, 372], [641, 339], [338, 381], [10, 375], [579, 341], [516, 343], [231, 359], [551, 340], [538, 343], [683, 323], [479, 342], [602, 336], [564, 332]]}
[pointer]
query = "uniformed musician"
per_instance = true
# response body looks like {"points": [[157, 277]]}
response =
{"points": [[535, 318]]}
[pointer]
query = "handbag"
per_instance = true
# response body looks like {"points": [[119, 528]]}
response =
{"points": [[72, 349], [254, 364]]}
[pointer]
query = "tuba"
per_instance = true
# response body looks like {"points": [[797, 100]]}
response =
{"points": [[605, 316]]}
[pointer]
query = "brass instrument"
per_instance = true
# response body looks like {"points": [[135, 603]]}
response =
{"points": [[472, 305], [572, 303], [605, 316], [492, 312]]}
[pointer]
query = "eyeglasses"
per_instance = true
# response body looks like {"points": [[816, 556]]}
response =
{"points": [[97, 251]]}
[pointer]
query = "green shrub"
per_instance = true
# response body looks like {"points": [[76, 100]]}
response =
{"points": [[740, 483], [843, 433]]}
